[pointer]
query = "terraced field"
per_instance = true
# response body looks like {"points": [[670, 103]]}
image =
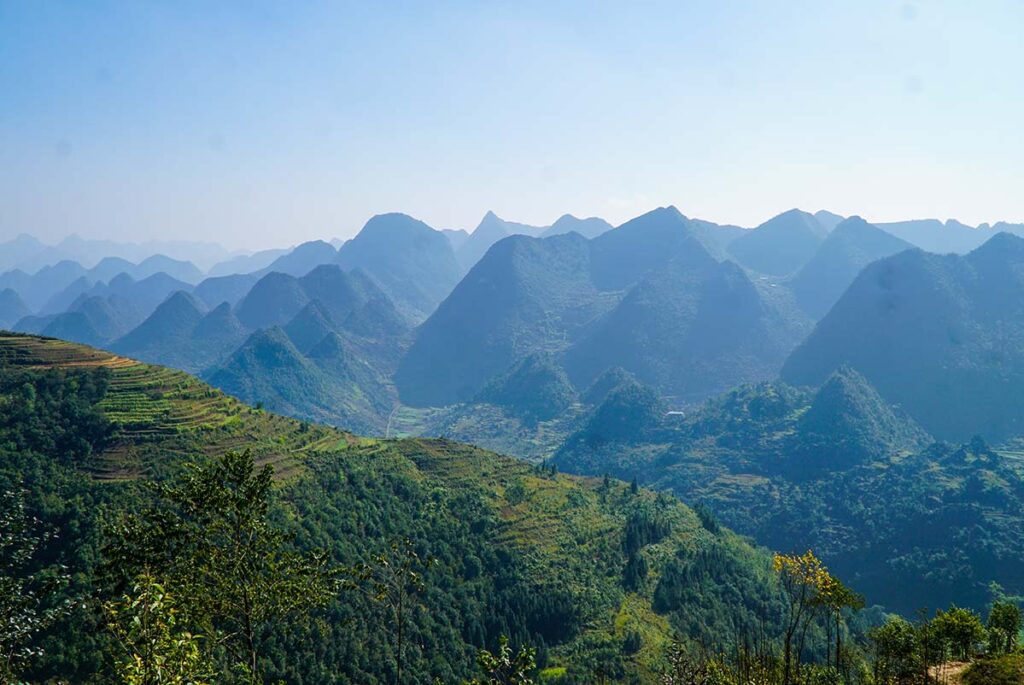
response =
{"points": [[161, 413]]}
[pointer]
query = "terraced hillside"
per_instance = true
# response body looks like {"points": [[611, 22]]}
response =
{"points": [[160, 414], [598, 575]]}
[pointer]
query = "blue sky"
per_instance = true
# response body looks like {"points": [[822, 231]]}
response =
{"points": [[259, 124]]}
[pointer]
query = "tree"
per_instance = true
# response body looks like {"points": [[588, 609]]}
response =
{"points": [[156, 650], [961, 629], [210, 540], [395, 580], [836, 598], [503, 668], [26, 591], [1004, 622], [895, 646], [805, 582]]}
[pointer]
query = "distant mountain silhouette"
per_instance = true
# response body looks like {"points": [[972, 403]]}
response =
{"points": [[414, 264], [942, 336], [303, 259], [490, 230], [936, 236], [567, 223], [246, 264], [12, 308], [230, 289], [526, 295], [273, 301], [781, 245], [852, 245], [691, 328]]}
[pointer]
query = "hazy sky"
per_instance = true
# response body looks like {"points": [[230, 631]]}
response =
{"points": [[260, 124]]}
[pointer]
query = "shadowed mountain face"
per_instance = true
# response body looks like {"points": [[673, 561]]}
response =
{"points": [[303, 259], [332, 383], [567, 223], [647, 296], [781, 245], [490, 230], [941, 336], [413, 264], [275, 299], [690, 331], [526, 295], [12, 308], [838, 470], [852, 245], [230, 289]]}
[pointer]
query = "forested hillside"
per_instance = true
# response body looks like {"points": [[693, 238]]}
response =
{"points": [[839, 470], [598, 576]]}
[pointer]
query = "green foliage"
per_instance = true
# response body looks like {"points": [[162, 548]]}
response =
{"points": [[156, 650], [26, 591], [895, 650], [1004, 623], [961, 629], [210, 538], [505, 669], [1006, 669], [535, 389], [841, 472]]}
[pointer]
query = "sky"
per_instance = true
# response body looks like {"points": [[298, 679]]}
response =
{"points": [[258, 124]]}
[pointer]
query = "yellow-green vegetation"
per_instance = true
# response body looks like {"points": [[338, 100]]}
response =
{"points": [[597, 575], [162, 414]]}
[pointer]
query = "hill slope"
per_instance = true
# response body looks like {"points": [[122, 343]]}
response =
{"points": [[517, 551], [852, 245], [942, 336], [839, 471], [414, 264], [781, 245]]}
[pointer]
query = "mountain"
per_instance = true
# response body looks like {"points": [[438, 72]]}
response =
{"points": [[37, 289], [852, 245], [62, 301], [246, 264], [74, 326], [183, 334], [18, 249], [490, 230], [175, 268], [689, 329], [303, 259], [942, 336], [536, 389], [12, 308], [275, 299], [414, 264], [108, 267], [144, 295], [781, 245], [164, 335], [936, 236], [526, 295], [267, 368], [215, 290], [828, 220], [625, 298], [597, 575], [838, 470], [622, 257], [456, 237], [847, 425], [311, 325], [588, 228]]}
